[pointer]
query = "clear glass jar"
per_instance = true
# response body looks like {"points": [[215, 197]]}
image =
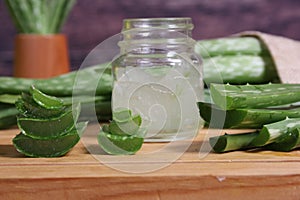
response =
{"points": [[158, 75]]}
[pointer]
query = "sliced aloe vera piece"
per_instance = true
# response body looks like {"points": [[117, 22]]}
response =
{"points": [[29, 108], [49, 147], [129, 127], [119, 144], [49, 128], [46, 101], [231, 142], [272, 132], [122, 115], [286, 142]]}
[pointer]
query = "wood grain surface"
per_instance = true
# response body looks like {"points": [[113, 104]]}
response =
{"points": [[79, 175]]}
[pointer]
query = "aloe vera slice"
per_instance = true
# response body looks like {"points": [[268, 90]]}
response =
{"points": [[231, 142], [46, 101], [119, 144], [272, 132], [245, 118], [49, 128], [129, 127], [286, 142], [48, 147], [29, 108], [229, 97], [122, 115]]}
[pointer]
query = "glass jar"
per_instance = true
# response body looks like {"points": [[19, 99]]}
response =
{"points": [[158, 76]]}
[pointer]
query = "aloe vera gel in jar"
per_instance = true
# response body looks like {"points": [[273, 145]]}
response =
{"points": [[158, 76]]}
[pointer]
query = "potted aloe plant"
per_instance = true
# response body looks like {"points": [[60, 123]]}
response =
{"points": [[41, 51]]}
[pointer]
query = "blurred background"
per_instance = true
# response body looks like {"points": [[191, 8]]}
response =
{"points": [[92, 21]]}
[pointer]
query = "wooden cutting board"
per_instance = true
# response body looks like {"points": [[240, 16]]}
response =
{"points": [[195, 173]]}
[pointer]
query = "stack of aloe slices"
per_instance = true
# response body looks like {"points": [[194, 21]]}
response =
{"points": [[48, 127], [271, 109], [123, 135]]}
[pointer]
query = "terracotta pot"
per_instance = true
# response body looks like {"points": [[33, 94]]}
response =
{"points": [[40, 56]]}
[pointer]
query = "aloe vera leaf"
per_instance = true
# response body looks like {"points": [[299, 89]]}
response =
{"points": [[231, 142], [286, 142], [68, 5], [230, 46], [20, 12], [240, 69], [11, 85], [119, 144], [49, 128], [8, 117], [9, 98], [55, 13], [49, 147], [15, 15], [129, 127], [26, 7], [37, 16], [46, 101], [63, 85], [272, 132], [245, 118], [229, 97]]}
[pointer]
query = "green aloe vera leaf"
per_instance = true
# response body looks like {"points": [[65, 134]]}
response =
{"points": [[245, 118], [6, 105], [286, 142], [230, 46], [240, 69], [231, 142], [8, 98], [105, 128], [272, 132], [63, 85], [119, 144], [49, 128], [8, 117], [39, 16], [229, 97], [12, 85], [122, 115], [48, 147], [16, 15], [59, 10], [46, 101], [101, 109], [83, 99], [29, 108], [130, 127]]}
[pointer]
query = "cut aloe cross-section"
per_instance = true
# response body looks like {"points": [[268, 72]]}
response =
{"points": [[49, 128], [46, 101], [48, 147], [119, 144]]}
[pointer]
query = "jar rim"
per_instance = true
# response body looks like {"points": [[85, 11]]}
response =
{"points": [[158, 19], [167, 22]]}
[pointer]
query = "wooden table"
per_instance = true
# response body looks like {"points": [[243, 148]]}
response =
{"points": [[79, 175]]}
